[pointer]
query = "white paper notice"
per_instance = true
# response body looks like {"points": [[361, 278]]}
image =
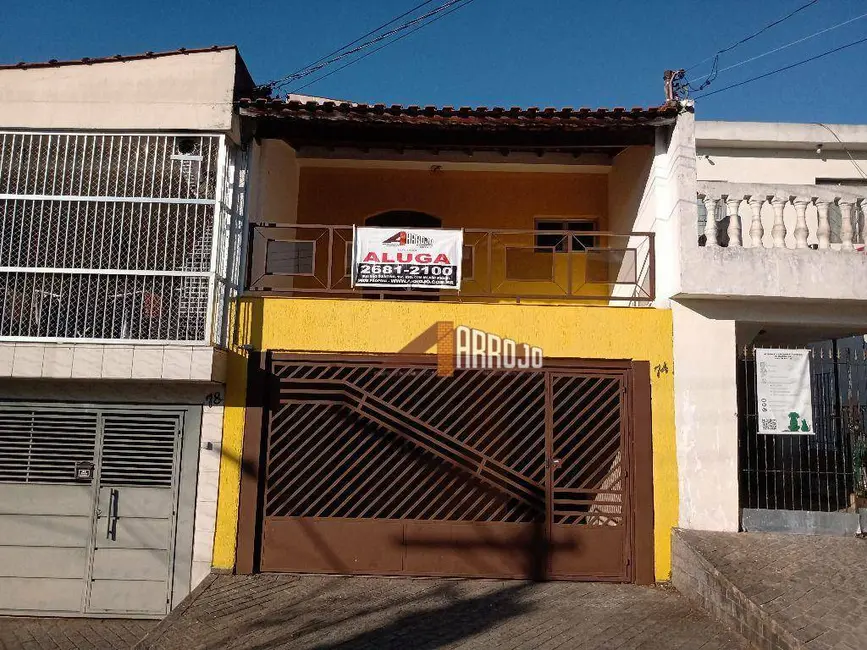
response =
{"points": [[785, 402]]}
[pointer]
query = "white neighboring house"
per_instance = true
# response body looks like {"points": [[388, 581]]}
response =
{"points": [[782, 264], [121, 190]]}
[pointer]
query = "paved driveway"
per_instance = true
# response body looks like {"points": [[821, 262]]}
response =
{"points": [[19, 633], [270, 611]]}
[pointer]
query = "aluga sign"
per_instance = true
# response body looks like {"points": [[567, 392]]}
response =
{"points": [[408, 258]]}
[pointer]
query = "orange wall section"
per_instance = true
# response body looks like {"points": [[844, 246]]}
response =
{"points": [[461, 199]]}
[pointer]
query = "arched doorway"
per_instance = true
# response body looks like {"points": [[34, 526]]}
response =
{"points": [[404, 219]]}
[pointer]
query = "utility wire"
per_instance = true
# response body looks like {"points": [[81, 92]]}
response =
{"points": [[752, 36], [356, 41], [385, 45], [783, 69], [845, 148], [783, 47], [366, 44]]}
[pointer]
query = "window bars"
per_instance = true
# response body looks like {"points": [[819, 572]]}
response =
{"points": [[117, 236]]}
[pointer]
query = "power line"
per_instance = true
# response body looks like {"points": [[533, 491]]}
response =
{"points": [[783, 69], [366, 44], [385, 45], [752, 36], [845, 148], [787, 45], [348, 45]]}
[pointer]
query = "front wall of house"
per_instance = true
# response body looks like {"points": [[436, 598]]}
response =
{"points": [[461, 199], [185, 91], [581, 332]]}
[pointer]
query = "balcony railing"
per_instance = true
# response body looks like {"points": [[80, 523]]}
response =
{"points": [[118, 237], [498, 265], [807, 217]]}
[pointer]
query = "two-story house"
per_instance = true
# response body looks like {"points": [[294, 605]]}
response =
{"points": [[773, 257], [121, 202], [178, 311]]}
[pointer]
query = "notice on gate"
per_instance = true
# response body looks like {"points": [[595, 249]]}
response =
{"points": [[784, 398], [414, 258]]}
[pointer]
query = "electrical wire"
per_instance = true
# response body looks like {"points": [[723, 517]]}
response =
{"points": [[845, 148], [787, 45], [752, 36], [449, 4], [383, 46], [783, 69], [356, 41]]}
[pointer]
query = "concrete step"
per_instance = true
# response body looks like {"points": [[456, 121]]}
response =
{"points": [[780, 592]]}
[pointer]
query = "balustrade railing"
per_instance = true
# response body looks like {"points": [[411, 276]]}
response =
{"points": [[311, 260], [780, 216]]}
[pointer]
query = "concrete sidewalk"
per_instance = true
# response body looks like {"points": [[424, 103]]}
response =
{"points": [[282, 611], [21, 633], [789, 592]]}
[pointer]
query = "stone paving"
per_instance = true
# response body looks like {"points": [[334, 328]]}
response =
{"points": [[19, 633], [273, 611], [813, 587]]}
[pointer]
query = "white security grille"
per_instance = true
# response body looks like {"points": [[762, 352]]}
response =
{"points": [[112, 236]]}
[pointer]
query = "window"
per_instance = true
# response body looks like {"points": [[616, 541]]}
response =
{"points": [[289, 258], [559, 241]]}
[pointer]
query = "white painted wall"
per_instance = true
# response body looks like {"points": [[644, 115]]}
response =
{"points": [[706, 420], [183, 91], [275, 184], [759, 152], [111, 361]]}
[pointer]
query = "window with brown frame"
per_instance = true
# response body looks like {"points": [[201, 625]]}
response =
{"points": [[559, 241]]}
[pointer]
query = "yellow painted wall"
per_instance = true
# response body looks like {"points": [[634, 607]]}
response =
{"points": [[577, 331]]}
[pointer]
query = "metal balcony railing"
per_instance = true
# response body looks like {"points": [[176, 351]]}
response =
{"points": [[314, 260]]}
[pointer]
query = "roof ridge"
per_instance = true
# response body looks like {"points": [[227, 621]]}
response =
{"points": [[23, 65]]}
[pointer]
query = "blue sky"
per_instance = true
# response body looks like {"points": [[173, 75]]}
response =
{"points": [[493, 52]]}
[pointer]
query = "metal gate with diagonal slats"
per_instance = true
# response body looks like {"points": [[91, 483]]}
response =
{"points": [[387, 468]]}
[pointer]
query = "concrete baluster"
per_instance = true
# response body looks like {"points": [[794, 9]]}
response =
{"points": [[734, 230], [801, 229], [710, 225], [778, 232], [823, 232], [846, 230], [757, 230]]}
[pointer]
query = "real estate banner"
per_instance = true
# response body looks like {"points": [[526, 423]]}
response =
{"points": [[785, 403], [415, 258]]}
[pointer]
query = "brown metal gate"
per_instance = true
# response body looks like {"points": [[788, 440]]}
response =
{"points": [[377, 468]]}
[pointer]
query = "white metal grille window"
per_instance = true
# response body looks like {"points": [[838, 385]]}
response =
{"points": [[116, 236]]}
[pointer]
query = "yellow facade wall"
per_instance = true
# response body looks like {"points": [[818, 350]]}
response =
{"points": [[588, 332]]}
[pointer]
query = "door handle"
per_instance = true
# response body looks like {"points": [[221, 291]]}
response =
{"points": [[111, 533]]}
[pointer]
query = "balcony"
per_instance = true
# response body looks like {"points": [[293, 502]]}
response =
{"points": [[121, 239], [775, 242], [499, 265]]}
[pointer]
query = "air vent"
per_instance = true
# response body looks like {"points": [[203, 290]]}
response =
{"points": [[42, 445], [139, 448]]}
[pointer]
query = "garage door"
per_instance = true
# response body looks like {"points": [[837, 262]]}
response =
{"points": [[87, 509], [378, 468]]}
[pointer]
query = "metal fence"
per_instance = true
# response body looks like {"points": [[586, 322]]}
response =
{"points": [[826, 471], [314, 260], [116, 236]]}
